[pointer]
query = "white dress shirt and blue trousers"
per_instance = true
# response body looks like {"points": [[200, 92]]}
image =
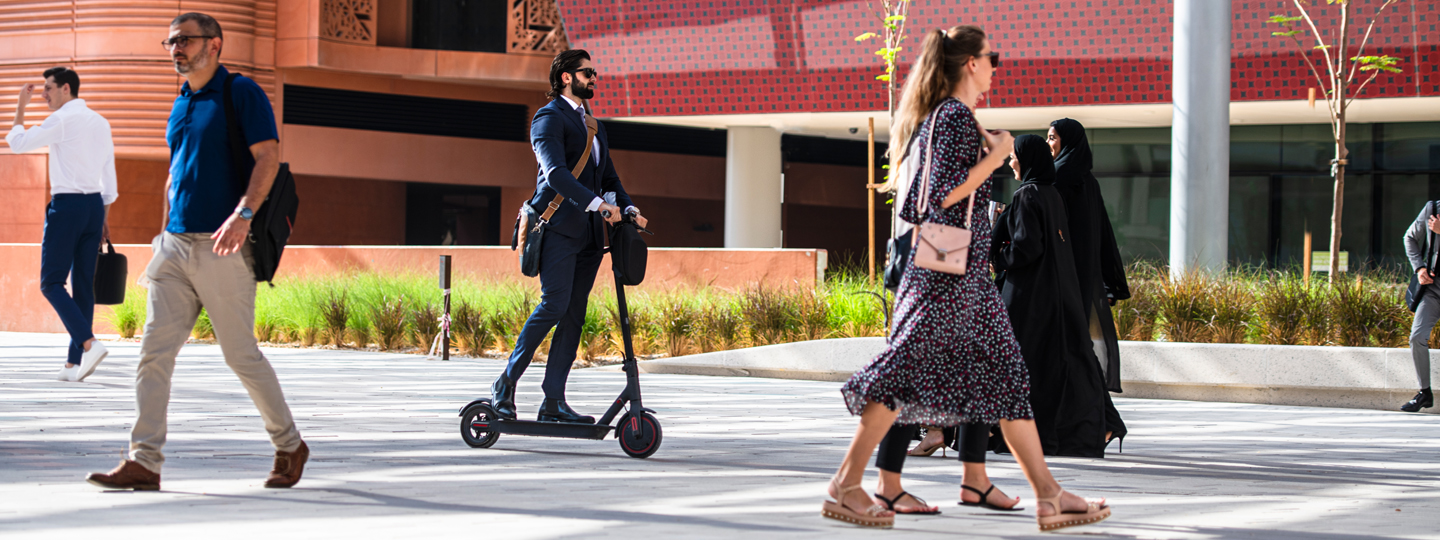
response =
{"points": [[82, 184], [574, 240]]}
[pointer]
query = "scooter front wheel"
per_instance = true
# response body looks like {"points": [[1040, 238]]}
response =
{"points": [[474, 426], [639, 434]]}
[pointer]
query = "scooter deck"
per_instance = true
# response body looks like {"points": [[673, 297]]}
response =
{"points": [[563, 430]]}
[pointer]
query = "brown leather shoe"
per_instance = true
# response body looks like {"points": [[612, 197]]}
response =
{"points": [[288, 467], [128, 475]]}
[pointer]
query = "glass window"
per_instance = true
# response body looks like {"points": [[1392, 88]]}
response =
{"points": [[460, 25], [1131, 150], [1310, 147], [1249, 222], [1410, 146], [1404, 195], [1139, 209], [1255, 148], [1305, 205]]}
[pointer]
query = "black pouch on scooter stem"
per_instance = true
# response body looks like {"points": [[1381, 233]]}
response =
{"points": [[628, 253]]}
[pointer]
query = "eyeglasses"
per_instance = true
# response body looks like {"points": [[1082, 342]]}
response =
{"points": [[180, 41], [994, 59], [589, 73]]}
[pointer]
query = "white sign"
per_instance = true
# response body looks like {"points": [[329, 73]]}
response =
{"points": [[1320, 261]]}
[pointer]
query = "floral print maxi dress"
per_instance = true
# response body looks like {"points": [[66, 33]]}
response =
{"points": [[952, 357]]}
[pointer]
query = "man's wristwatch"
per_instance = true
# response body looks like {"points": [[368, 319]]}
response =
{"points": [[245, 213]]}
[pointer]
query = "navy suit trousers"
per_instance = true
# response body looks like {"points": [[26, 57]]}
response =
{"points": [[69, 249], [568, 267]]}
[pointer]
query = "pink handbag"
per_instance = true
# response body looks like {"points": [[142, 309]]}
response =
{"points": [[940, 248]]}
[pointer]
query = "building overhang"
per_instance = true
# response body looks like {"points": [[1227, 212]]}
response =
{"points": [[838, 125]]}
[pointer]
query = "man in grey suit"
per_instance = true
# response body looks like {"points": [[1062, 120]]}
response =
{"points": [[1421, 249]]}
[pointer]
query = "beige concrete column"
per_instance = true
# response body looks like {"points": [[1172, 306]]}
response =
{"points": [[753, 187]]}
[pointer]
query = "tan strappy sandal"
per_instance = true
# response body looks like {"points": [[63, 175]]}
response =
{"points": [[1094, 513], [873, 517]]}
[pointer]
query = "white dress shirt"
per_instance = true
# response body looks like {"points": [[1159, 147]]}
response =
{"points": [[82, 155], [594, 153]]}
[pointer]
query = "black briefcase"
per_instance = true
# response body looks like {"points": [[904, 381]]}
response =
{"points": [[111, 271], [897, 257], [1414, 293]]}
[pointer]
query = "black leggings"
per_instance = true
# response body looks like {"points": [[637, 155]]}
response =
{"points": [[974, 441]]}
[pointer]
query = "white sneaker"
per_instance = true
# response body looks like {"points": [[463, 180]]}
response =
{"points": [[68, 374], [91, 359]]}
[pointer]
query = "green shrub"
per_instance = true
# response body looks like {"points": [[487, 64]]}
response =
{"points": [[387, 320], [720, 327], [676, 321], [1281, 308], [203, 328], [129, 317], [336, 316], [769, 313], [424, 324], [1186, 305]]}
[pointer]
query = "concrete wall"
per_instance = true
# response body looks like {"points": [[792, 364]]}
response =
{"points": [[1347, 377], [23, 309]]}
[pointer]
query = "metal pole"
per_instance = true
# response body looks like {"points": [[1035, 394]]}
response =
{"points": [[870, 199], [445, 319]]}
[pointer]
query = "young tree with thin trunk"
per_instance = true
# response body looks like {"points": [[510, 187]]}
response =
{"points": [[1336, 81]]}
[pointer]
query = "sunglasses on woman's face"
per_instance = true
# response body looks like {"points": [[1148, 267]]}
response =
{"points": [[994, 59]]}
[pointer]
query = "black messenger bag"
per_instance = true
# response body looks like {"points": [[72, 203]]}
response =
{"points": [[529, 234], [273, 222], [628, 252]]}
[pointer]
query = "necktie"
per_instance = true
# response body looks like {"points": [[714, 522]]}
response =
{"points": [[594, 152]]}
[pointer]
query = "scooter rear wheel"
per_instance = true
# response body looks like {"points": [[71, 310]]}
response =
{"points": [[473, 424], [639, 434]]}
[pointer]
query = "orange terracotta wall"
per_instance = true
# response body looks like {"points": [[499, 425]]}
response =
{"points": [[23, 309], [349, 211], [24, 192], [825, 208]]}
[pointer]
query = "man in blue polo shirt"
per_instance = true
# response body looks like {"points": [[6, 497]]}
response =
{"points": [[203, 259]]}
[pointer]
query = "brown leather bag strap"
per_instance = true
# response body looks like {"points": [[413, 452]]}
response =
{"points": [[590, 129]]}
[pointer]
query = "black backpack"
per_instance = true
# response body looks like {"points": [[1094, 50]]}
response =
{"points": [[275, 219]]}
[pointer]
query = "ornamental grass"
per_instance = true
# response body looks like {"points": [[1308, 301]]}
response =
{"points": [[402, 313]]}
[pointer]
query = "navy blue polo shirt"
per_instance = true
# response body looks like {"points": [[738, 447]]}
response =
{"points": [[204, 191]]}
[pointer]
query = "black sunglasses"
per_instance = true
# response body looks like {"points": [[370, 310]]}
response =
{"points": [[180, 41], [589, 73], [994, 59]]}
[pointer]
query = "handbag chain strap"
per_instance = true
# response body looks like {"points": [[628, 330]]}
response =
{"points": [[929, 156], [590, 129]]}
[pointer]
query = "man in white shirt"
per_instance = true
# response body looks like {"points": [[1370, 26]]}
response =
{"points": [[82, 187]]}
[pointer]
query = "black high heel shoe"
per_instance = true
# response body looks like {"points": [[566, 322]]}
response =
{"points": [[1118, 437]]}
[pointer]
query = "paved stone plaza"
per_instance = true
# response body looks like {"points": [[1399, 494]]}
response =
{"points": [[742, 458]]}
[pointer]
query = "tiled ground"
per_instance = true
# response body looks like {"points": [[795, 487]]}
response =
{"points": [[742, 457]]}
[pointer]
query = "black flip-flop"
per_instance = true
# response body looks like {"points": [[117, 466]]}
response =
{"points": [[890, 505], [985, 500]]}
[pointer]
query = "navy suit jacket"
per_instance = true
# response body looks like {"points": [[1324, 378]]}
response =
{"points": [[558, 137]]}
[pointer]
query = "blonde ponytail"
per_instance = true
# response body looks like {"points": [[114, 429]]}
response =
{"points": [[932, 78]]}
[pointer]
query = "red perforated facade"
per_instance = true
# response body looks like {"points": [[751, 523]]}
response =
{"points": [[691, 57]]}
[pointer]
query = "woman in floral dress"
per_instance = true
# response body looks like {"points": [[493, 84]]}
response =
{"points": [[952, 356]]}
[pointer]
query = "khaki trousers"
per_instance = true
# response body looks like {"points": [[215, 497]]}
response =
{"points": [[186, 275]]}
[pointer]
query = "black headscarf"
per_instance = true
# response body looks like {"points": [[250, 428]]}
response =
{"points": [[1074, 161], [1034, 160]]}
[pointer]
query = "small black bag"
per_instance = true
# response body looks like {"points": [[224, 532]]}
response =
{"points": [[628, 253], [528, 236], [111, 271], [273, 222], [1416, 291], [897, 256]]}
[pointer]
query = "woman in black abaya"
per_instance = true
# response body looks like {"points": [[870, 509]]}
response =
{"points": [[1041, 292], [1098, 266]]}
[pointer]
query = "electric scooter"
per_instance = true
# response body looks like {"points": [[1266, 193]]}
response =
{"points": [[637, 429]]}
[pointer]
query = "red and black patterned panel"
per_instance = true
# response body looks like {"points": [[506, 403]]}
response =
{"points": [[667, 57]]}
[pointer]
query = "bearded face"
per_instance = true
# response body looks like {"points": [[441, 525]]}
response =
{"points": [[582, 90]]}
